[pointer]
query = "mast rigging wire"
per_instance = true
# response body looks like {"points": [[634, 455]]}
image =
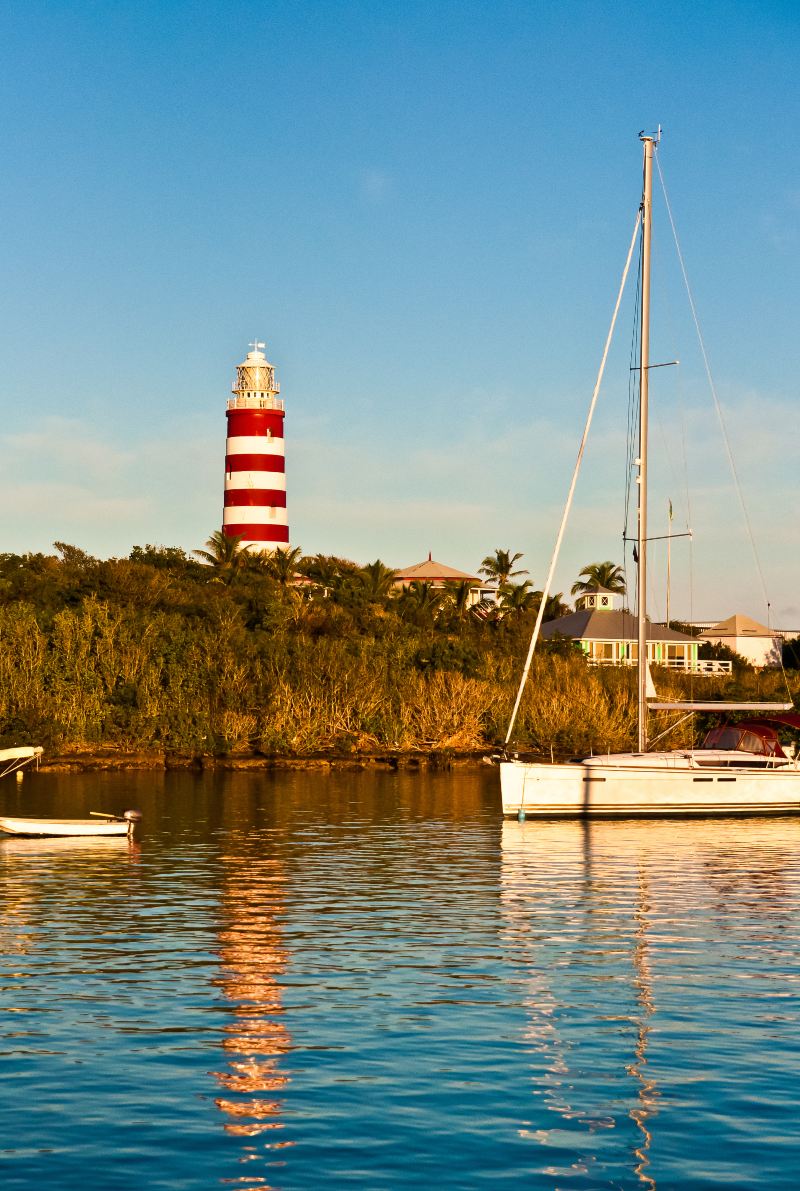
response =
{"points": [[718, 406], [712, 386], [568, 505]]}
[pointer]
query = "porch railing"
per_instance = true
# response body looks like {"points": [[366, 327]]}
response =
{"points": [[701, 666]]}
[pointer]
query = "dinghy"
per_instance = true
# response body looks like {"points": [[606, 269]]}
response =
{"points": [[100, 824]]}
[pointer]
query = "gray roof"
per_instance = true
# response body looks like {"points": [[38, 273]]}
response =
{"points": [[594, 624]]}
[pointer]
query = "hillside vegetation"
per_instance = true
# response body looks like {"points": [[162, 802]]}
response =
{"points": [[161, 652]]}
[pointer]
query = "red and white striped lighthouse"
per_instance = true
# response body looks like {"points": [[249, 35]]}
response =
{"points": [[255, 468]]}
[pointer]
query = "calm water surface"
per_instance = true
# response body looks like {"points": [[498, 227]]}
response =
{"points": [[353, 979]]}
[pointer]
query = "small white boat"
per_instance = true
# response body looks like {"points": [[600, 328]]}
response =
{"points": [[100, 825], [17, 758]]}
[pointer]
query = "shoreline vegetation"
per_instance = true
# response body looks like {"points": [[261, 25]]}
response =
{"points": [[240, 662]]}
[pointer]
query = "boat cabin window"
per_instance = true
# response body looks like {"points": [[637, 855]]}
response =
{"points": [[761, 740]]}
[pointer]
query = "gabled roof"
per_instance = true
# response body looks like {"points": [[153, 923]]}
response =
{"points": [[431, 571], [593, 624], [738, 626]]}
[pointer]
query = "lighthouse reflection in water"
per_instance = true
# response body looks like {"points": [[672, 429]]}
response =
{"points": [[256, 1041]]}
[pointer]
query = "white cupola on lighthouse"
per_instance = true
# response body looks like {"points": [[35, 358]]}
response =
{"points": [[255, 466]]}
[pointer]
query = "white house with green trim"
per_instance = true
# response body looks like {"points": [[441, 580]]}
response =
{"points": [[608, 635]]}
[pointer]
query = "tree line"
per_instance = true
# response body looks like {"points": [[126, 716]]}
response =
{"points": [[223, 651]]}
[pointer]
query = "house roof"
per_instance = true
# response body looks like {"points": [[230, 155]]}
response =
{"points": [[738, 626], [599, 625], [431, 571]]}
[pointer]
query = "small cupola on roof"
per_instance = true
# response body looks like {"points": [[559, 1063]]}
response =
{"points": [[599, 598]]}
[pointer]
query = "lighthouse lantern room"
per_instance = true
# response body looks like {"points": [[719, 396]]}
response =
{"points": [[255, 470]]}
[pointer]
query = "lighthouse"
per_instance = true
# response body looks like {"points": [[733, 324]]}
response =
{"points": [[255, 469]]}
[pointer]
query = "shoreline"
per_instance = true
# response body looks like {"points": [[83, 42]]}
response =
{"points": [[111, 760]]}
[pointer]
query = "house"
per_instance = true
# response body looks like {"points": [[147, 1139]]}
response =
{"points": [[759, 645], [608, 635], [441, 576]]}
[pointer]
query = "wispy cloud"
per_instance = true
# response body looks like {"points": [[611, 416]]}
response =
{"points": [[67, 483], [483, 484]]}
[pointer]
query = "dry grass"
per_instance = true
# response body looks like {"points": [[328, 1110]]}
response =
{"points": [[155, 679]]}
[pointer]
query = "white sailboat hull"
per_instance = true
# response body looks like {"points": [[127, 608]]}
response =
{"points": [[63, 827], [649, 784]]}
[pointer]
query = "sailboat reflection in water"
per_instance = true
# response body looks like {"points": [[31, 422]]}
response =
{"points": [[647, 1097], [552, 877], [657, 963], [252, 958]]}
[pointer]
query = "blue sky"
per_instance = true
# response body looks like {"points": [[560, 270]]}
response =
{"points": [[423, 208]]}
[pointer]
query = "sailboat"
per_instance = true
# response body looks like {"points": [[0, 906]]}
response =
{"points": [[738, 768]]}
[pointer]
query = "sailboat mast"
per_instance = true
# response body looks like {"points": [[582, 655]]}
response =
{"points": [[644, 373]]}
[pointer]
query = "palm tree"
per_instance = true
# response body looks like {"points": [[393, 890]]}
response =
{"points": [[460, 596], [553, 609], [420, 602], [600, 574], [255, 563], [376, 580], [517, 597], [323, 570], [223, 553], [282, 564], [500, 567]]}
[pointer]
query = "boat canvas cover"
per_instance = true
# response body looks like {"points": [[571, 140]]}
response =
{"points": [[790, 719]]}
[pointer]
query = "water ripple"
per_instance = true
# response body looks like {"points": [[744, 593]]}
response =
{"points": [[372, 980]]}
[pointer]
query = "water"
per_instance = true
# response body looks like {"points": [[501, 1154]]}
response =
{"points": [[368, 980]]}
